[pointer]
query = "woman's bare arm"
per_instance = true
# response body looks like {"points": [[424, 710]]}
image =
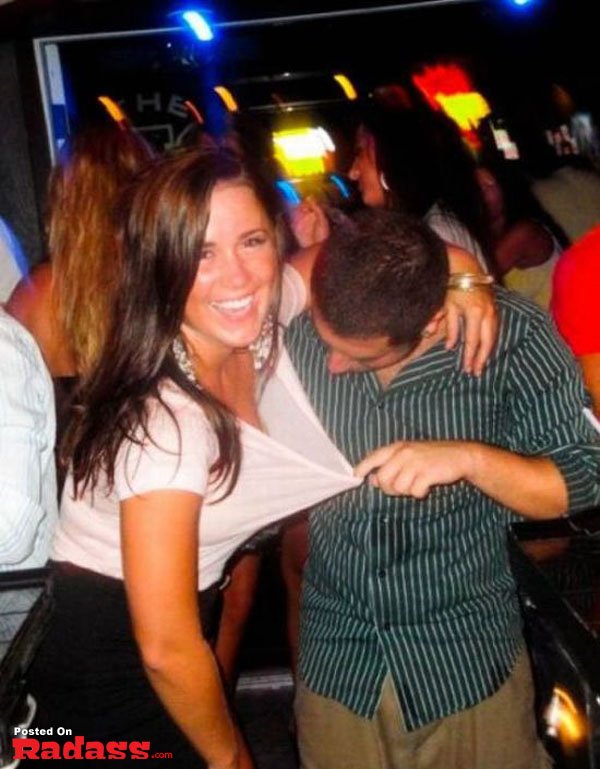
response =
{"points": [[31, 304], [160, 556]]}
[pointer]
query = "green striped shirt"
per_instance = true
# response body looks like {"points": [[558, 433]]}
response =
{"points": [[422, 589]]}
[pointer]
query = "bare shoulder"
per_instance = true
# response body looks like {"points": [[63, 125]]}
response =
{"points": [[31, 304], [32, 294]]}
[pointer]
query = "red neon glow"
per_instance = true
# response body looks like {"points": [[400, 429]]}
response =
{"points": [[445, 79]]}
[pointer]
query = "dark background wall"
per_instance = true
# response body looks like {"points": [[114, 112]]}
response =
{"points": [[23, 158]]}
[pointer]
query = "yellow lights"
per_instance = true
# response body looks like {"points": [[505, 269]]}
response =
{"points": [[564, 719], [227, 98], [113, 109], [303, 151], [466, 109], [346, 86], [449, 87]]}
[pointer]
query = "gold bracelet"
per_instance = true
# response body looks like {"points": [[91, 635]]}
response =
{"points": [[469, 281]]}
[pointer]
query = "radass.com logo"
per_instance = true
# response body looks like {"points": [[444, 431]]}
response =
{"points": [[37, 744]]}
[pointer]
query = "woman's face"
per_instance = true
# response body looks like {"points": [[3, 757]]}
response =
{"points": [[364, 170], [237, 275], [492, 194]]}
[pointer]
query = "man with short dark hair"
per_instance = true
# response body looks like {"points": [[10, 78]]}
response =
{"points": [[363, 289], [411, 649]]}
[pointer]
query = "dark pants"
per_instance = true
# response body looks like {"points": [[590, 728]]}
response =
{"points": [[88, 677]]}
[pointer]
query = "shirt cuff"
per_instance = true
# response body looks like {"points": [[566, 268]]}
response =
{"points": [[579, 468]]}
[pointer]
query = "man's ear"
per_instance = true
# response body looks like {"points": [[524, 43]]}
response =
{"points": [[432, 328]]}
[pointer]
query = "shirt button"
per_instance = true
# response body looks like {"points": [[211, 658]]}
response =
{"points": [[385, 518], [381, 573]]}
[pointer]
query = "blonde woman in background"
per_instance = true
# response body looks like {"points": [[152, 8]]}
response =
{"points": [[65, 302]]}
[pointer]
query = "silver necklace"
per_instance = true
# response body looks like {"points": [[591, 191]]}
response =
{"points": [[183, 360], [260, 349]]}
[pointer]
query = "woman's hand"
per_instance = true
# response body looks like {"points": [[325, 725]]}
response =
{"points": [[476, 309]]}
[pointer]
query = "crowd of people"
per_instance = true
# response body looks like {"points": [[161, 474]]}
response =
{"points": [[221, 382]]}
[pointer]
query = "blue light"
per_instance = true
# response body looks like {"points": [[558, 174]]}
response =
{"points": [[524, 8], [198, 24], [289, 192], [520, 4], [341, 185]]}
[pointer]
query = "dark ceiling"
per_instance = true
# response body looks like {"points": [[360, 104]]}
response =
{"points": [[554, 42], [44, 17]]}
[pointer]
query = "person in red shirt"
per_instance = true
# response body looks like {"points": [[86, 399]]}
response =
{"points": [[576, 307]]}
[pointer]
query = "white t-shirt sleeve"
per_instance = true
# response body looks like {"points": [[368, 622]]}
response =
{"points": [[177, 455], [12, 261], [293, 295], [452, 231], [27, 480]]}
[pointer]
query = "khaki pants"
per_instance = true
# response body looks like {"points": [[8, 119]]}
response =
{"points": [[498, 733]]}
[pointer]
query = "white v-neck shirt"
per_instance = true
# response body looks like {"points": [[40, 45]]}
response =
{"points": [[287, 468]]}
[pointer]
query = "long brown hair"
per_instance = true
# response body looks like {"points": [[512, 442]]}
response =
{"points": [[421, 154], [164, 218], [82, 195]]}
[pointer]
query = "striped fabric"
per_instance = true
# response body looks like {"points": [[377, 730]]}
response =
{"points": [[28, 505], [422, 588]]}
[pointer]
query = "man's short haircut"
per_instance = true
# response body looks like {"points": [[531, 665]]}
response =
{"points": [[385, 274]]}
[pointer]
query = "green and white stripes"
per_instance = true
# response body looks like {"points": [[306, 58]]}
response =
{"points": [[422, 588]]}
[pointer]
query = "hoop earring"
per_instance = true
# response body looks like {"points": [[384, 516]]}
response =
{"points": [[383, 182]]}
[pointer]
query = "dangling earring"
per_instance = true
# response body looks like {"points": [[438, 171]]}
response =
{"points": [[383, 182]]}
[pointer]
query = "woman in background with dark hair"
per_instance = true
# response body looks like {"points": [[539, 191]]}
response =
{"points": [[526, 242], [413, 159]]}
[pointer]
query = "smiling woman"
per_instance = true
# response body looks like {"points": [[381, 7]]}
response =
{"points": [[234, 286], [170, 472]]}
